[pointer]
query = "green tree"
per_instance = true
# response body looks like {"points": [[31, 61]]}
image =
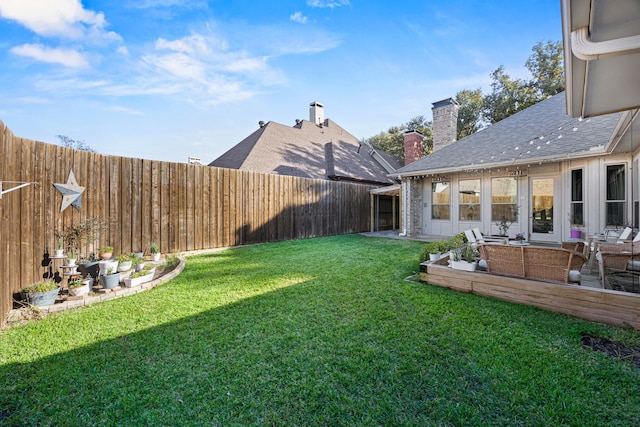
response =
{"points": [[507, 97], [547, 68], [470, 112], [392, 141]]}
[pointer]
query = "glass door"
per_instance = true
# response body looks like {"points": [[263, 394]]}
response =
{"points": [[543, 224]]}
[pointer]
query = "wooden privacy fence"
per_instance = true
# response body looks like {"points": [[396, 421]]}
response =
{"points": [[181, 207]]}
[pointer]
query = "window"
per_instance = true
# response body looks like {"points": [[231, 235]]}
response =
{"points": [[504, 199], [616, 195], [440, 198], [577, 196], [469, 200]]}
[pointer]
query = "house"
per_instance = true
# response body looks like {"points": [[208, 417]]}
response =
{"points": [[318, 148], [533, 171]]}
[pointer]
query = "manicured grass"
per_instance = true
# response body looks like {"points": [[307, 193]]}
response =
{"points": [[313, 332]]}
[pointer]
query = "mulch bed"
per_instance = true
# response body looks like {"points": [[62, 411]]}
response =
{"points": [[612, 348]]}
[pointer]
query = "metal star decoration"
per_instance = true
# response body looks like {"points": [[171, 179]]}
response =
{"points": [[71, 192]]}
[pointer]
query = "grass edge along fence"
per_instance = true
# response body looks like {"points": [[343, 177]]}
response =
{"points": [[181, 207]]}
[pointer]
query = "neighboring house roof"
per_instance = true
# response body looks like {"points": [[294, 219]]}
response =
{"points": [[541, 133], [310, 151]]}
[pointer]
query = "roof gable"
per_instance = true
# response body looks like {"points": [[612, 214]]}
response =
{"points": [[303, 150], [541, 132]]}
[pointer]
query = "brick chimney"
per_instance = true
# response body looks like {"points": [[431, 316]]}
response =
{"points": [[445, 122], [413, 147], [316, 113]]}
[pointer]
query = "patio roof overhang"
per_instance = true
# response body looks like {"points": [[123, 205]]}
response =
{"points": [[390, 190], [601, 55]]}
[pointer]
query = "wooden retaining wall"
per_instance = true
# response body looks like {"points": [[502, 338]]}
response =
{"points": [[181, 207], [597, 305]]}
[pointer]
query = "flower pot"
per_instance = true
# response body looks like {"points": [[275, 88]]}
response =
{"points": [[435, 257], [464, 265], [575, 234], [71, 261], [89, 268], [80, 290], [124, 266], [105, 255], [59, 253], [110, 281], [105, 266], [155, 257], [43, 298], [132, 282]]}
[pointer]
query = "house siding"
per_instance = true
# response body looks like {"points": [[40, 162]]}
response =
{"points": [[417, 211]]}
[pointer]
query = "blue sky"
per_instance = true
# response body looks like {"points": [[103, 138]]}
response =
{"points": [[169, 79]]}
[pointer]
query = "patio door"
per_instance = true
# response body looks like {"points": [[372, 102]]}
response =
{"points": [[543, 224]]}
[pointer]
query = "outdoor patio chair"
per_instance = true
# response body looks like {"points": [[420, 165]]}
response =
{"points": [[480, 238], [578, 247], [617, 259], [471, 238]]}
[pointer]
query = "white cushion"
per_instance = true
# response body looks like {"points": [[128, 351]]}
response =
{"points": [[575, 276]]}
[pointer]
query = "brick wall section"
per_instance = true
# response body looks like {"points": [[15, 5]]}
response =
{"points": [[413, 146], [445, 122], [412, 206]]}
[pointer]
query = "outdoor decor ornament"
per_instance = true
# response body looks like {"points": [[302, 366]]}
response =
{"points": [[71, 192]]}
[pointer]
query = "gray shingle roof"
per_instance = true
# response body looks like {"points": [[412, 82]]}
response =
{"points": [[541, 132], [301, 151]]}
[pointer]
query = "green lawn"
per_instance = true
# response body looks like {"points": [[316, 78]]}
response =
{"points": [[312, 332]]}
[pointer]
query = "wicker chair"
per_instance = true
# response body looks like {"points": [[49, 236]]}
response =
{"points": [[578, 247], [533, 262], [617, 257]]}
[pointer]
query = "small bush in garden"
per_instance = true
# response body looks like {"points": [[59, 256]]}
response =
{"points": [[42, 286]]}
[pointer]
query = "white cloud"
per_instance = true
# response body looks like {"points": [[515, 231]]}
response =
{"points": [[328, 3], [67, 57], [178, 65], [298, 17], [58, 18]]}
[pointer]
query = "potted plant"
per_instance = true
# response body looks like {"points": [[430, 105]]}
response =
{"points": [[60, 250], [88, 266], [465, 259], [506, 220], [575, 225], [155, 251], [72, 258], [41, 293], [105, 252], [110, 280], [137, 262], [79, 287], [139, 277], [433, 250], [85, 232], [519, 238], [124, 262]]}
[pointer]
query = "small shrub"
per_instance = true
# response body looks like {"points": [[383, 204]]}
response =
{"points": [[42, 286]]}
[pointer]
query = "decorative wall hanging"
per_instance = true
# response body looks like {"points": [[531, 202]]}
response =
{"points": [[71, 192]]}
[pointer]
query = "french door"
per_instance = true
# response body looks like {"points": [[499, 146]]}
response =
{"points": [[544, 224]]}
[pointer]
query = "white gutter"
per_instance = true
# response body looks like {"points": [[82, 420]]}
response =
{"points": [[587, 50]]}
